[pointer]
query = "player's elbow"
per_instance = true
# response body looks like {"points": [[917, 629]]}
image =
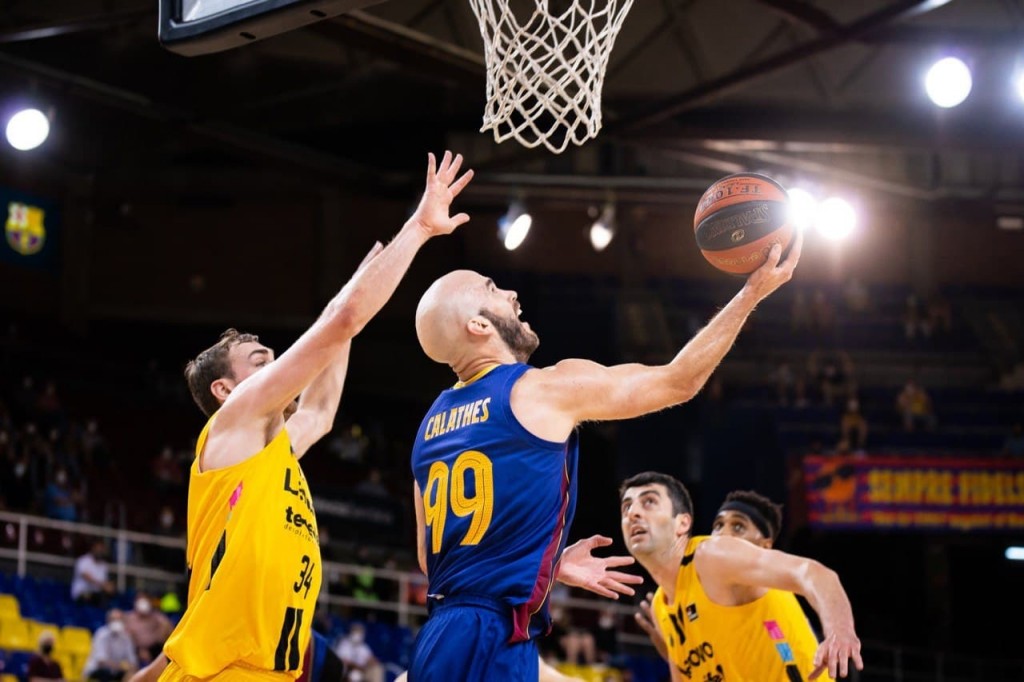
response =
{"points": [[344, 318]]}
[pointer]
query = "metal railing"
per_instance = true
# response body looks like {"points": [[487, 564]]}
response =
{"points": [[884, 662]]}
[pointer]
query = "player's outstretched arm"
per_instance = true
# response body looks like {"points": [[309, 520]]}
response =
{"points": [[318, 404], [583, 390], [268, 391], [723, 561]]}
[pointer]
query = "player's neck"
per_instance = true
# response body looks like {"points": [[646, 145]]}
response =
{"points": [[472, 367], [664, 566]]}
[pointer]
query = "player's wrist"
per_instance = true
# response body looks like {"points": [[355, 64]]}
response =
{"points": [[418, 229]]}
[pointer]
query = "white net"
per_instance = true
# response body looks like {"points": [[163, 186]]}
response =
{"points": [[545, 74]]}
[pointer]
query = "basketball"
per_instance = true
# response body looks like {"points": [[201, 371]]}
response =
{"points": [[739, 218]]}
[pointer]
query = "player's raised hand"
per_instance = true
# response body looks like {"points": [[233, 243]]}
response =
{"points": [[443, 185], [835, 653], [579, 568], [773, 274], [644, 617]]}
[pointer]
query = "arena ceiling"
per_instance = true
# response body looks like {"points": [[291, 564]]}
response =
{"points": [[829, 90]]}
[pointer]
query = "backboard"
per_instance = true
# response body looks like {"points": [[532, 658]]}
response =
{"points": [[195, 27]]}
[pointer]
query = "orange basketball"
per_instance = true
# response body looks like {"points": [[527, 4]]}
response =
{"points": [[738, 220]]}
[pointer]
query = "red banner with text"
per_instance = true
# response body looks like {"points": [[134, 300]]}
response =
{"points": [[915, 493]]}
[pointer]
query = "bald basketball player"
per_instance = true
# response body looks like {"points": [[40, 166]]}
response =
{"points": [[495, 461], [253, 550]]}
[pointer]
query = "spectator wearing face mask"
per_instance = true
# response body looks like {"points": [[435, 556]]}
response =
{"points": [[360, 663], [90, 584], [61, 500], [42, 666], [112, 656], [148, 627]]}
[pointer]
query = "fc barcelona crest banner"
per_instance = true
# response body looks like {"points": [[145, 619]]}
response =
{"points": [[915, 493], [31, 230]]}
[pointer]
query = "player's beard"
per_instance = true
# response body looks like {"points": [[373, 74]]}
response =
{"points": [[520, 340]]}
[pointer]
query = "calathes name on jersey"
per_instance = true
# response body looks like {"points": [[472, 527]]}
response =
{"points": [[457, 418]]}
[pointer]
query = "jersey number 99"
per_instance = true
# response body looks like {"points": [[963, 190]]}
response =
{"points": [[448, 488]]}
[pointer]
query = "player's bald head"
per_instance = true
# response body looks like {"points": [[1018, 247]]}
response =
{"points": [[443, 312]]}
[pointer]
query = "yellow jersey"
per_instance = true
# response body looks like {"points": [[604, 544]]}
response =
{"points": [[254, 569], [767, 640]]}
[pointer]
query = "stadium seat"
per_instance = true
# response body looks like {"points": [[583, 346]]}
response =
{"points": [[9, 606], [75, 640], [14, 635]]}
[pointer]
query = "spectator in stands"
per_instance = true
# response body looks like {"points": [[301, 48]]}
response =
{"points": [[167, 471], [856, 296], [168, 558], [834, 374], [853, 427], [940, 313], [148, 627], [94, 445], [915, 407], [823, 314], [1013, 446], [18, 479], [48, 407], [350, 444], [360, 663], [606, 638], [373, 484], [575, 644], [112, 656], [790, 386], [914, 322], [61, 500], [90, 584], [42, 666]]}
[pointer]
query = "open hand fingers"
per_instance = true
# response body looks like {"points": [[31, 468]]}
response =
{"points": [[461, 183], [446, 160], [625, 578], [645, 623], [619, 562], [431, 167], [453, 168], [619, 583]]}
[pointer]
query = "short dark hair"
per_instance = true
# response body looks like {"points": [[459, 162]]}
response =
{"points": [[677, 492], [771, 511], [210, 365]]}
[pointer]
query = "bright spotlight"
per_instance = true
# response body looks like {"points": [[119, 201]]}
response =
{"points": [[1020, 85], [802, 208], [1015, 553], [603, 229], [836, 218], [514, 226], [948, 82], [27, 129]]}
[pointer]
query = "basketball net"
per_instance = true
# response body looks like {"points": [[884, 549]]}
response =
{"points": [[544, 75]]}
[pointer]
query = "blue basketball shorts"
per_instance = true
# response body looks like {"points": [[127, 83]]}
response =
{"points": [[466, 639]]}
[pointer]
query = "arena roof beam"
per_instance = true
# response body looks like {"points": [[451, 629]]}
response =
{"points": [[718, 87], [403, 45], [249, 142], [107, 20]]}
